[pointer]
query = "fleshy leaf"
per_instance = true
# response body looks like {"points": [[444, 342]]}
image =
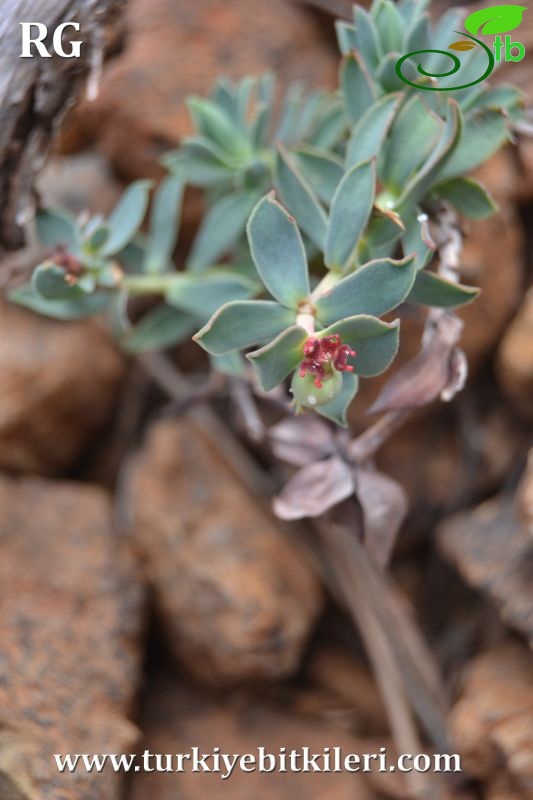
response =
{"points": [[164, 223], [357, 87], [369, 133], [469, 197], [229, 364], [350, 210], [243, 323], [125, 219], [413, 135], [323, 170], [300, 199], [50, 281], [277, 359], [337, 408], [203, 294], [417, 237], [55, 227], [222, 226], [278, 252], [375, 342], [498, 19], [431, 290], [484, 132], [160, 328], [78, 308], [213, 123], [375, 288], [441, 155], [390, 26]]}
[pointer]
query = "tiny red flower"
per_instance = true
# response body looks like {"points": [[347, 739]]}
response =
{"points": [[323, 354]]}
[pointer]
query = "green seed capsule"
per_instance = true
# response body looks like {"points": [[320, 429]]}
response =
{"points": [[307, 394]]}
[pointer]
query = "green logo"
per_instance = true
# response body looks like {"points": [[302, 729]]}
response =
{"points": [[487, 21]]}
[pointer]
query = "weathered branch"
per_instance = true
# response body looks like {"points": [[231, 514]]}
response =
{"points": [[36, 92]]}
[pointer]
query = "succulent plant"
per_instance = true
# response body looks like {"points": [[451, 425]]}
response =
{"points": [[315, 227]]}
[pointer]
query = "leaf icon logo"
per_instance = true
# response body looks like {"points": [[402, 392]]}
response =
{"points": [[498, 19], [463, 44]]}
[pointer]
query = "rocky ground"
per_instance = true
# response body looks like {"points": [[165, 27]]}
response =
{"points": [[149, 599]]}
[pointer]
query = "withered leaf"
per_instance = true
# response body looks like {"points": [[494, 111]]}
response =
{"points": [[301, 440], [462, 44], [422, 380], [315, 489], [384, 504]]}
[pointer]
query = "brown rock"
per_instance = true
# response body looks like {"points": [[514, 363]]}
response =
{"points": [[347, 680], [59, 382], [525, 494], [492, 258], [442, 457], [70, 619], [177, 718], [177, 48], [236, 599], [494, 553], [515, 359], [492, 722]]}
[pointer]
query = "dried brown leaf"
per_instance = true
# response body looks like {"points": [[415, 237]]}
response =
{"points": [[424, 378], [301, 440], [384, 505], [315, 489]]}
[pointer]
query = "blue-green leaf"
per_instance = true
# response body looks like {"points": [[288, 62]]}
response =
{"points": [[160, 328], [55, 227], [228, 364], [164, 223], [375, 342], [213, 123], [390, 26], [300, 199], [243, 323], [78, 308], [441, 155], [369, 133], [413, 136], [277, 359], [203, 294], [358, 89], [127, 216], [323, 171], [366, 38], [278, 252], [200, 162], [431, 290], [350, 210], [375, 288], [336, 410], [483, 134], [50, 281], [417, 238], [469, 197], [221, 228]]}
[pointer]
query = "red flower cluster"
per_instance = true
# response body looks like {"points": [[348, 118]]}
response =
{"points": [[321, 355]]}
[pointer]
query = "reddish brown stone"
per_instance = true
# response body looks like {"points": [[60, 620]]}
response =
{"points": [[175, 48], [70, 620], [492, 722], [494, 553], [59, 382], [237, 601], [177, 718], [515, 359]]}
